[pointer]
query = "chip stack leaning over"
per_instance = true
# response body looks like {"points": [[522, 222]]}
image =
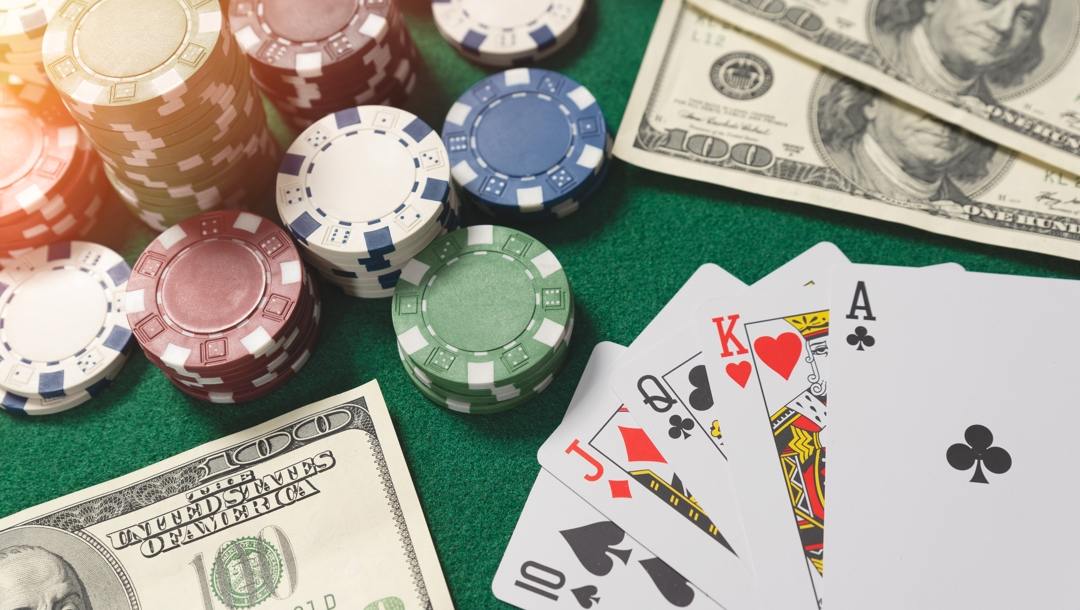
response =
{"points": [[63, 335], [22, 25], [315, 57], [364, 190], [52, 187], [483, 318], [540, 168], [163, 92], [222, 304], [503, 34]]}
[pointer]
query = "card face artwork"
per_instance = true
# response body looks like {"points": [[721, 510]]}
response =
{"points": [[668, 388], [603, 455], [565, 554], [769, 355], [951, 427]]}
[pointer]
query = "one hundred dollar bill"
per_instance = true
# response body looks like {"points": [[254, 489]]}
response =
{"points": [[1007, 70], [314, 510], [715, 104]]}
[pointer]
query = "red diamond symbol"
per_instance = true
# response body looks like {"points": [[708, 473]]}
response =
{"points": [[620, 488]]}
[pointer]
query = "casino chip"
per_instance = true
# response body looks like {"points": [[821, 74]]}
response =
{"points": [[222, 304], [504, 34], [162, 91], [539, 168], [52, 187], [316, 57], [22, 26], [483, 318], [63, 335], [364, 190]]}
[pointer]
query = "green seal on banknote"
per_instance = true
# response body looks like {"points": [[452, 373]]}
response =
{"points": [[246, 572], [386, 603]]}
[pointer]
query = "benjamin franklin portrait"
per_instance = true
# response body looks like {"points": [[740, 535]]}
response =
{"points": [[43, 568], [33, 578], [962, 47], [896, 152]]}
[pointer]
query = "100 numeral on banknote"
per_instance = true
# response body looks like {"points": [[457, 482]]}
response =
{"points": [[314, 510], [715, 104]]}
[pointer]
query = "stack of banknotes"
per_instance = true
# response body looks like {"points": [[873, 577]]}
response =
{"points": [[960, 117]]}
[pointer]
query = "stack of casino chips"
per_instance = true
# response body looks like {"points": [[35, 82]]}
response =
{"points": [[505, 33], [518, 169], [364, 190], [22, 26], [483, 318], [222, 304], [52, 187], [316, 57], [164, 95], [63, 335]]}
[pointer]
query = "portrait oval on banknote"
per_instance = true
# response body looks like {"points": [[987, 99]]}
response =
{"points": [[899, 154], [988, 51], [46, 565]]}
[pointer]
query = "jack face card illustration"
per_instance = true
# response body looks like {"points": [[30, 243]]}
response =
{"points": [[952, 422], [602, 454], [667, 386], [565, 554]]}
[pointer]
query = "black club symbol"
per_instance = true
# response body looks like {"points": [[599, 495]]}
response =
{"points": [[680, 427], [861, 338], [979, 451]]}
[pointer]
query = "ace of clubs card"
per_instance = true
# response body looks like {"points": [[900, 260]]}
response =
{"points": [[952, 425]]}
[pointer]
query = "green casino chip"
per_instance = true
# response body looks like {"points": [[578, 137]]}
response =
{"points": [[478, 399], [481, 307]]}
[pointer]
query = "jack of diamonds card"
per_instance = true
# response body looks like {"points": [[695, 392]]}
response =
{"points": [[601, 453]]}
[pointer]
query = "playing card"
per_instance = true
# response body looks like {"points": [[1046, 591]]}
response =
{"points": [[950, 431], [604, 456], [769, 357], [669, 340], [565, 554], [666, 386]]}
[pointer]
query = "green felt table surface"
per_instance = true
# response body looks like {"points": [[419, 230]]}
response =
{"points": [[626, 252]]}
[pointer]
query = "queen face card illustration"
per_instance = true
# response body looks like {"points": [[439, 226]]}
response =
{"points": [[565, 554], [667, 386], [603, 455], [952, 423]]}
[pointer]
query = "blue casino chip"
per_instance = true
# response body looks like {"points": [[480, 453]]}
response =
{"points": [[526, 140]]}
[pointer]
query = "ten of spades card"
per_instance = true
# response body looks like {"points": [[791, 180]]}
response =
{"points": [[565, 554]]}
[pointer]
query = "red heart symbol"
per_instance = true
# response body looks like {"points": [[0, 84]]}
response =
{"points": [[780, 354], [739, 372]]}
